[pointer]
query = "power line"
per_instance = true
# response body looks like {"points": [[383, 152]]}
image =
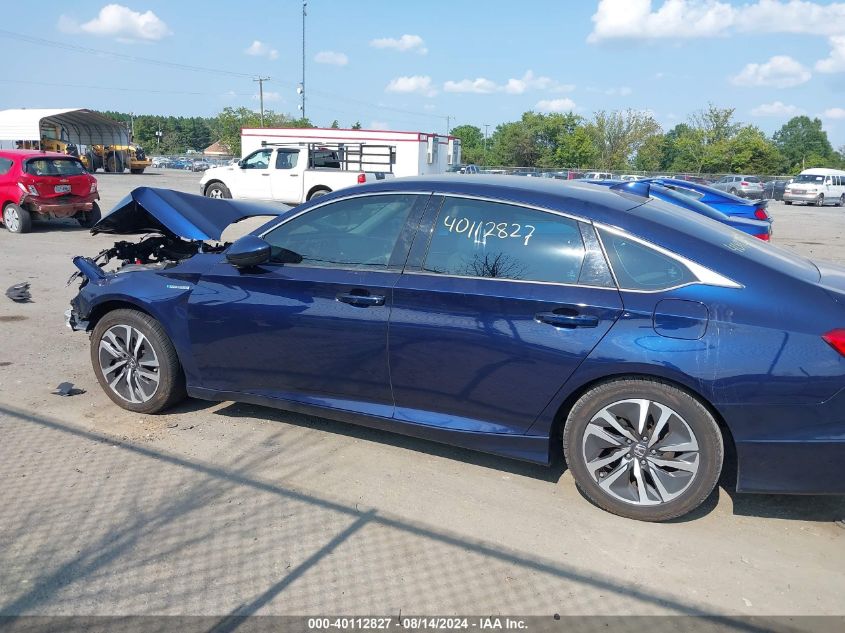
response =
{"points": [[131, 58], [124, 89]]}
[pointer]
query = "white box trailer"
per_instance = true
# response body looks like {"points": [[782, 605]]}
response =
{"points": [[417, 153]]}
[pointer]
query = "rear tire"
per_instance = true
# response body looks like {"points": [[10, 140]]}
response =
{"points": [[656, 469], [217, 190], [318, 193], [113, 164], [788, 202], [841, 202], [137, 171], [135, 362], [88, 219], [16, 219]]}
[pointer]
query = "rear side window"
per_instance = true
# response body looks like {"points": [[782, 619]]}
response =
{"points": [[5, 166], [54, 167], [752, 179], [286, 159], [639, 267], [477, 238]]}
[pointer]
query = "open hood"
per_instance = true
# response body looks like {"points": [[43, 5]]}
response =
{"points": [[185, 215]]}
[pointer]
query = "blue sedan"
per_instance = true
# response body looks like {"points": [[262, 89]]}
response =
{"points": [[723, 201], [761, 229], [501, 314]]}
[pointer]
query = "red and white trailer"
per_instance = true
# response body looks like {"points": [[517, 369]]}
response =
{"points": [[416, 153]]}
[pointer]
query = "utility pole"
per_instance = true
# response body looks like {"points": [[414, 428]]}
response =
{"points": [[302, 85], [486, 127], [448, 127], [261, 81]]}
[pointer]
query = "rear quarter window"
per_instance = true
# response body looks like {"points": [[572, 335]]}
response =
{"points": [[5, 166], [639, 267]]}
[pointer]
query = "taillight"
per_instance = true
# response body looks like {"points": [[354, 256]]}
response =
{"points": [[836, 339], [743, 184], [763, 236], [362, 178], [93, 186], [761, 214]]}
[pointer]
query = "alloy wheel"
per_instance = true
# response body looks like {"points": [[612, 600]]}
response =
{"points": [[640, 452], [11, 219], [129, 363], [215, 193]]}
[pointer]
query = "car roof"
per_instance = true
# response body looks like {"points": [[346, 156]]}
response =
{"points": [[31, 153]]}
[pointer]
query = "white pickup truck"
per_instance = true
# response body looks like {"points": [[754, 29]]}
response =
{"points": [[295, 173]]}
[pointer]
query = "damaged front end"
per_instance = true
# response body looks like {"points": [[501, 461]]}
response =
{"points": [[177, 227]]}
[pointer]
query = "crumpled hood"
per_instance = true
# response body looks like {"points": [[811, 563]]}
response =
{"points": [[185, 215]]}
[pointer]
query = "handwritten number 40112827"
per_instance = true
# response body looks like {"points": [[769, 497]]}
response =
{"points": [[480, 231]]}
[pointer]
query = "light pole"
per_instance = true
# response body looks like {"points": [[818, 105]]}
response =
{"points": [[486, 127], [159, 134], [302, 85]]}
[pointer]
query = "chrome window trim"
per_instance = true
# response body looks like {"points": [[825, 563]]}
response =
{"points": [[428, 273], [703, 275]]}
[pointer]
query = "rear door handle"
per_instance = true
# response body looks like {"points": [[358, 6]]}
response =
{"points": [[567, 320], [359, 300]]}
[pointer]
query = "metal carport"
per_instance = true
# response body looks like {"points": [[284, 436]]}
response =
{"points": [[82, 127]]}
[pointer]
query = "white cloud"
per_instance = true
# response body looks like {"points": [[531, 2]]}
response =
{"points": [[834, 113], [477, 86], [555, 105], [260, 49], [379, 125], [417, 84], [405, 43], [269, 96], [687, 19], [777, 109], [122, 23], [331, 58], [514, 86], [836, 62], [781, 71]]}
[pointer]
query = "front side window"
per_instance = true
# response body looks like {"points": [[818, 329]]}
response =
{"points": [[477, 238], [287, 159], [355, 232], [257, 160], [639, 267]]}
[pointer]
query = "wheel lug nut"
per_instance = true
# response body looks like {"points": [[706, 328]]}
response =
{"points": [[630, 441], [642, 461], [645, 439]]}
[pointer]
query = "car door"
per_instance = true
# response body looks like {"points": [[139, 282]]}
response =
{"points": [[493, 314], [9, 190], [286, 176], [311, 325], [251, 179]]}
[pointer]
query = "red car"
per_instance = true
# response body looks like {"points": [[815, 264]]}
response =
{"points": [[38, 185]]}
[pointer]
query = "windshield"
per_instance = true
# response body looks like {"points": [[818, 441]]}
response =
{"points": [[54, 167], [810, 178]]}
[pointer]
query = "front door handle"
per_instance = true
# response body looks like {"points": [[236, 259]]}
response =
{"points": [[265, 174], [360, 300], [567, 320], [294, 175]]}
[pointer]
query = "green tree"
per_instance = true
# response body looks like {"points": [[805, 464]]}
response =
{"points": [[803, 143], [356, 125], [335, 125], [752, 152], [651, 155], [618, 136], [513, 144], [472, 143]]}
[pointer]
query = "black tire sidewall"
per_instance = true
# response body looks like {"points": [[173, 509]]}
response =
{"points": [[700, 420], [171, 386], [319, 193], [224, 190]]}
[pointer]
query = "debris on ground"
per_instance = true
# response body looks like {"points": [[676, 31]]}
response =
{"points": [[19, 293], [66, 389]]}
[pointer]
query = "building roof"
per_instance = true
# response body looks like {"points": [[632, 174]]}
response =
{"points": [[81, 126], [217, 148]]}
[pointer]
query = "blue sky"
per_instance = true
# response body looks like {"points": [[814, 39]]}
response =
{"points": [[409, 65]]}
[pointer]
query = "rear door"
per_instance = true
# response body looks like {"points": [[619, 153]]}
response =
{"points": [[286, 176], [493, 313]]}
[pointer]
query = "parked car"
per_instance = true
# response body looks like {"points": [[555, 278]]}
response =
{"points": [[692, 178], [727, 203], [492, 313], [761, 229], [598, 175], [773, 189], [630, 177], [179, 163], [817, 186], [742, 186], [37, 185], [199, 165]]}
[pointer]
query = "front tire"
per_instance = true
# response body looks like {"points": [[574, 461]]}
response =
{"points": [[788, 202], [135, 362], [217, 190], [820, 200], [733, 191], [643, 449], [16, 219], [137, 170]]}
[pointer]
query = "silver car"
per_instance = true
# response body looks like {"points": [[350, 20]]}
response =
{"points": [[742, 186]]}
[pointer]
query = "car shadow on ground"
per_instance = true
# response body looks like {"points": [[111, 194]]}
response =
{"points": [[818, 508]]}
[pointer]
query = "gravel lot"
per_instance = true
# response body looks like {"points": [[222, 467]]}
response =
{"points": [[219, 508]]}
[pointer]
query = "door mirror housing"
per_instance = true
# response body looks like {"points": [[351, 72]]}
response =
{"points": [[248, 251]]}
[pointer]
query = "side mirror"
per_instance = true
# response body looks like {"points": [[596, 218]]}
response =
{"points": [[241, 163], [248, 251]]}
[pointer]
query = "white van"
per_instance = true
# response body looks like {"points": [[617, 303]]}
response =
{"points": [[817, 186]]}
